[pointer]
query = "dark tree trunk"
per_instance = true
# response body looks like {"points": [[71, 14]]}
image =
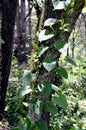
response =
{"points": [[21, 30], [8, 20]]}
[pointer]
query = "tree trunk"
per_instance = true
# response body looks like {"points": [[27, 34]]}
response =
{"points": [[21, 30], [30, 29], [8, 20]]}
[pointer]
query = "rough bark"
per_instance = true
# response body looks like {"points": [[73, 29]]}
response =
{"points": [[30, 29], [8, 20]]}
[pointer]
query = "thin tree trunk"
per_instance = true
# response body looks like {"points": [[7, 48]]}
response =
{"points": [[30, 29], [21, 30], [8, 20]]}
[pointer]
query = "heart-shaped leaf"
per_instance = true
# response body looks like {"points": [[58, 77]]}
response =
{"points": [[49, 64], [59, 44], [45, 88], [50, 22], [28, 77], [49, 106], [60, 100], [43, 36], [36, 106], [62, 72], [41, 50], [59, 5], [25, 90]]}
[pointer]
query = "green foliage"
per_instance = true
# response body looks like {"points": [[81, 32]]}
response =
{"points": [[24, 90], [41, 50], [50, 107], [38, 95], [49, 64], [59, 44], [50, 22], [59, 5], [28, 77], [70, 60], [1, 41], [36, 106], [62, 72], [41, 125], [43, 36], [45, 88], [60, 100]]}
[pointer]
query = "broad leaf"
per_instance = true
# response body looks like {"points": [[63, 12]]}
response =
{"points": [[43, 36], [70, 60], [25, 90], [1, 41], [41, 50], [22, 125], [60, 100], [49, 106], [36, 106], [55, 2], [59, 5], [49, 64], [28, 77], [42, 125], [28, 122], [54, 87], [59, 44], [50, 22], [62, 72], [45, 88]]}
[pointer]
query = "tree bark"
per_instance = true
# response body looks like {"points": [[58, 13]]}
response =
{"points": [[21, 30], [8, 20], [30, 29]]}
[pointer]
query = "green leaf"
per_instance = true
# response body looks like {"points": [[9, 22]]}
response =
{"points": [[43, 36], [55, 2], [59, 5], [28, 122], [25, 90], [42, 125], [84, 10], [60, 100], [25, 104], [28, 77], [41, 50], [22, 125], [1, 41], [49, 106], [50, 22], [49, 64], [36, 106], [54, 87], [45, 88], [59, 44], [70, 60], [62, 72]]}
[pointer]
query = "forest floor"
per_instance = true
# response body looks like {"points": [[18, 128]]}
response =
{"points": [[74, 88]]}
